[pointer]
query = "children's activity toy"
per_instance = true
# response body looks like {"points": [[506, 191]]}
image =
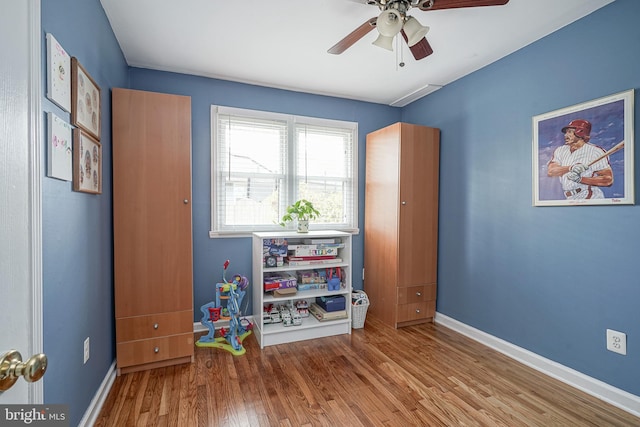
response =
{"points": [[226, 306]]}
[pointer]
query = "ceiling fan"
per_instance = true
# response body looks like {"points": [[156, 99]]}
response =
{"points": [[393, 19]]}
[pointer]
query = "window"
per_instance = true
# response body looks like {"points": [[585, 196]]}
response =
{"points": [[262, 162]]}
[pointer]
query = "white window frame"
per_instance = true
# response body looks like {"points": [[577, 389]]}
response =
{"points": [[292, 120]]}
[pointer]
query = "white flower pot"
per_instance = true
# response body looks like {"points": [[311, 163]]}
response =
{"points": [[303, 226]]}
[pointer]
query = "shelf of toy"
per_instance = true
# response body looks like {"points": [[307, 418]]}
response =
{"points": [[273, 333], [287, 267], [312, 294]]}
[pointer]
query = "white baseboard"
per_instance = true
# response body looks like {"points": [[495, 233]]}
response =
{"points": [[92, 412], [603, 391]]}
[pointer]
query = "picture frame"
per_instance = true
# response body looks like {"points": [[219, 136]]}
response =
{"points": [[87, 163], [85, 100], [58, 74], [59, 148], [605, 127]]}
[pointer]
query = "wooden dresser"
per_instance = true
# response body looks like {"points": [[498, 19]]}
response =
{"points": [[401, 223], [152, 229]]}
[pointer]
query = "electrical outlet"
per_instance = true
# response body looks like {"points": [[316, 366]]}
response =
{"points": [[86, 350], [617, 341]]}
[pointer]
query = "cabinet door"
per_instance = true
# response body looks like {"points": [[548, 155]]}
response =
{"points": [[152, 202], [381, 221], [418, 225]]}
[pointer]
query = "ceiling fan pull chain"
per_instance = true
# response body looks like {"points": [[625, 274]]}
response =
{"points": [[397, 53]]}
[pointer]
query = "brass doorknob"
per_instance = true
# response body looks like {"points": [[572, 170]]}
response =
{"points": [[12, 367]]}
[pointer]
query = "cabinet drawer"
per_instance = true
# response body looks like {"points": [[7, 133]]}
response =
{"points": [[154, 325], [420, 293], [154, 350], [416, 311]]}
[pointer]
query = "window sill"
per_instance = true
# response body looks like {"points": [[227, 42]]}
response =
{"points": [[241, 234]]}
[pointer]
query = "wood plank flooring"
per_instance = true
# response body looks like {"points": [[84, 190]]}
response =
{"points": [[425, 375]]}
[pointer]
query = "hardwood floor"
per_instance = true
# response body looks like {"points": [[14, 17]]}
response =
{"points": [[425, 375]]}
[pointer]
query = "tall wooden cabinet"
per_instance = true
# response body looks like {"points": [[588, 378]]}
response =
{"points": [[152, 229], [401, 223]]}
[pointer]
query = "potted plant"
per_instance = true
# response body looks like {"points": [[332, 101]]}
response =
{"points": [[302, 211]]}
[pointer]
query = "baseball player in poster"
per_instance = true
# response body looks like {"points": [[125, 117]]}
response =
{"points": [[581, 167]]}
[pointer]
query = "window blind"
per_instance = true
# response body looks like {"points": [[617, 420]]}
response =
{"points": [[262, 162]]}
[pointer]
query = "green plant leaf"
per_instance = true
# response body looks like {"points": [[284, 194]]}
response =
{"points": [[301, 209]]}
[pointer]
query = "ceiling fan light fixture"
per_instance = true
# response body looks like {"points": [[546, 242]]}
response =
{"points": [[384, 42], [389, 23], [414, 31]]}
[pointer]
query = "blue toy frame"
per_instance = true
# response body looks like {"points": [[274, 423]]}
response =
{"points": [[233, 293]]}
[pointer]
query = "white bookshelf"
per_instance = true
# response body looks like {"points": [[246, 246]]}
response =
{"points": [[276, 333]]}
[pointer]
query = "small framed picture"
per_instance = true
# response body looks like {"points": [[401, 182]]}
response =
{"points": [[87, 163], [85, 100], [59, 151], [58, 74]]}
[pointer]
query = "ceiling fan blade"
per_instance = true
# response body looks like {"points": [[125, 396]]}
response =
{"points": [[420, 50], [452, 4], [353, 37]]}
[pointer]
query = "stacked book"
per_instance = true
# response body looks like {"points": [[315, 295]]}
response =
{"points": [[314, 251], [323, 315]]}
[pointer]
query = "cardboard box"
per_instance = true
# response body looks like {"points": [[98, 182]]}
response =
{"points": [[333, 303], [277, 247], [286, 292], [312, 276], [311, 286], [273, 261], [313, 250], [279, 281]]}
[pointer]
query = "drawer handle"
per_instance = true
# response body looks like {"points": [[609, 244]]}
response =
{"points": [[419, 294], [155, 326], [418, 311], [156, 350]]}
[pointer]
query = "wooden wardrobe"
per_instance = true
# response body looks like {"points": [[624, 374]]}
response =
{"points": [[401, 223], [152, 229]]}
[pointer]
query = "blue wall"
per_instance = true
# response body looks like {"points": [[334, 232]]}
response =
{"points": [[548, 279], [77, 227], [210, 254]]}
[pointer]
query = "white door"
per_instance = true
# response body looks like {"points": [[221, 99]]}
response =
{"points": [[20, 201]]}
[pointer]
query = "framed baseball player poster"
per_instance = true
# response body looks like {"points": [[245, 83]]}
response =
{"points": [[583, 154]]}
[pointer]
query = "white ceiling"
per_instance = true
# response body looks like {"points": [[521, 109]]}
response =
{"points": [[283, 43]]}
